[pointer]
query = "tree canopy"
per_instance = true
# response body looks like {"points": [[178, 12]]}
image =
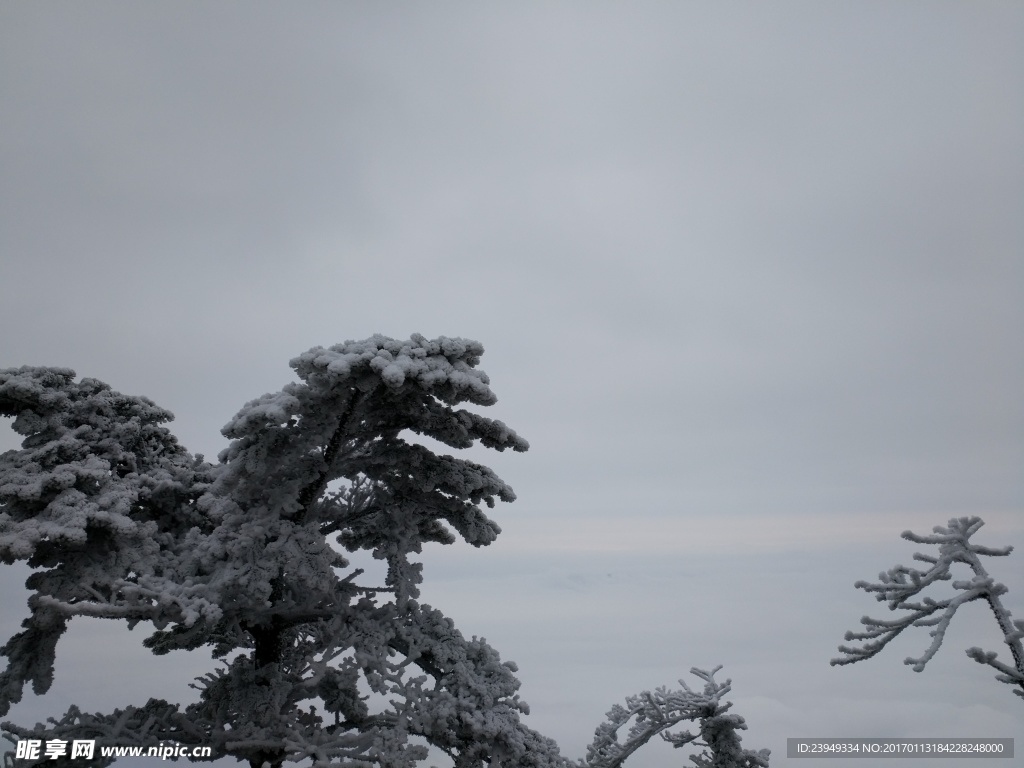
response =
{"points": [[245, 557]]}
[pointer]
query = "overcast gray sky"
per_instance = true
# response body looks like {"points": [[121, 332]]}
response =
{"points": [[750, 278]]}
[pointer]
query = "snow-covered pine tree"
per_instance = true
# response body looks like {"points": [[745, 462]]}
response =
{"points": [[120, 521]]}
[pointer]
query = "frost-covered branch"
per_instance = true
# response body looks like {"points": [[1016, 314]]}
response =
{"points": [[901, 586], [654, 713]]}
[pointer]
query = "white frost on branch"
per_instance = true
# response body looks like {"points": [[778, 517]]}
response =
{"points": [[900, 587], [654, 713]]}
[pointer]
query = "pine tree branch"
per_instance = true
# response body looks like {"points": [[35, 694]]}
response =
{"points": [[901, 586], [656, 712]]}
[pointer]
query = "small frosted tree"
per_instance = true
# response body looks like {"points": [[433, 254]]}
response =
{"points": [[119, 521], [901, 587], [652, 714]]}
